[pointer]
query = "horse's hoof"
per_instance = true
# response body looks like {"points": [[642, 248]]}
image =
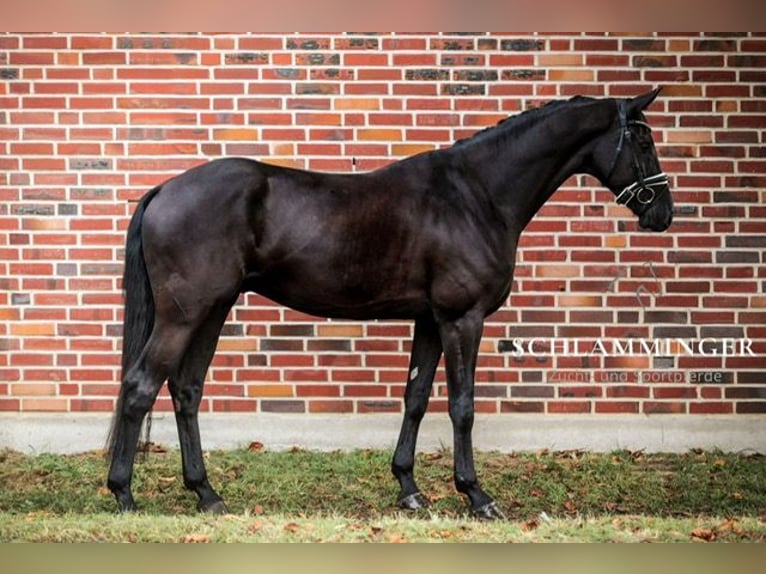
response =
{"points": [[490, 511], [414, 501], [217, 507], [126, 505]]}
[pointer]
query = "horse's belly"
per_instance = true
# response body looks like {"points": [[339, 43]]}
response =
{"points": [[339, 297]]}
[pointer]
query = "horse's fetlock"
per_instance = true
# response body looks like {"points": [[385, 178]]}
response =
{"points": [[401, 468]]}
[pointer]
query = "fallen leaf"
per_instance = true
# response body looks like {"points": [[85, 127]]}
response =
{"points": [[703, 534], [570, 507], [195, 539], [376, 531], [729, 525], [292, 527], [258, 510], [529, 525], [165, 482], [395, 539], [726, 526], [152, 447], [433, 455], [255, 446], [36, 515], [256, 526]]}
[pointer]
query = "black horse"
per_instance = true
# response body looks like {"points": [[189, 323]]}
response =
{"points": [[431, 238]]}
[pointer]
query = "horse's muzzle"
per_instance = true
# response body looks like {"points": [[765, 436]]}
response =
{"points": [[656, 218]]}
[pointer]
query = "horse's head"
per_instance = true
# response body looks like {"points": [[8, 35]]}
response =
{"points": [[626, 162]]}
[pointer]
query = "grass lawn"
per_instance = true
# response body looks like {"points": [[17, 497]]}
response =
{"points": [[349, 496]]}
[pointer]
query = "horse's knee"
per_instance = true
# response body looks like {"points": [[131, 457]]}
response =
{"points": [[415, 410]]}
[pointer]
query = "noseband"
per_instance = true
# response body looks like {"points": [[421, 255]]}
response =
{"points": [[643, 189]]}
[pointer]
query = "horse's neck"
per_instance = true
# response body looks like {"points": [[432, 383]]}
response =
{"points": [[520, 171]]}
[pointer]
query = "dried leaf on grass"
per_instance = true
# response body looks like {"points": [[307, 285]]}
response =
{"points": [[530, 525], [729, 525], [196, 538], [152, 447], [292, 527], [255, 527], [703, 535]]}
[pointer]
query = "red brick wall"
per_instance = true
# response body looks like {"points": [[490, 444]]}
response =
{"points": [[89, 122]]}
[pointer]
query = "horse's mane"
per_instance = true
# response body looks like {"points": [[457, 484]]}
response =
{"points": [[519, 122]]}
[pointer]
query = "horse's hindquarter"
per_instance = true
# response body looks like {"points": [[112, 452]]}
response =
{"points": [[196, 232]]}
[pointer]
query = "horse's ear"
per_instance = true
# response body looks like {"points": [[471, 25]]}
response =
{"points": [[640, 103]]}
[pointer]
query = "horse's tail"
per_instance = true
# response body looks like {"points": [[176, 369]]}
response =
{"points": [[138, 320]]}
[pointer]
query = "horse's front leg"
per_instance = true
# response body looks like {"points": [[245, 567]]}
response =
{"points": [[460, 340], [424, 358]]}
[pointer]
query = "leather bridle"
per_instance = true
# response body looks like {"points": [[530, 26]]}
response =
{"points": [[643, 189]]}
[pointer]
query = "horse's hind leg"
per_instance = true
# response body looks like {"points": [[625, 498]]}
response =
{"points": [[424, 358], [140, 386], [186, 389]]}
